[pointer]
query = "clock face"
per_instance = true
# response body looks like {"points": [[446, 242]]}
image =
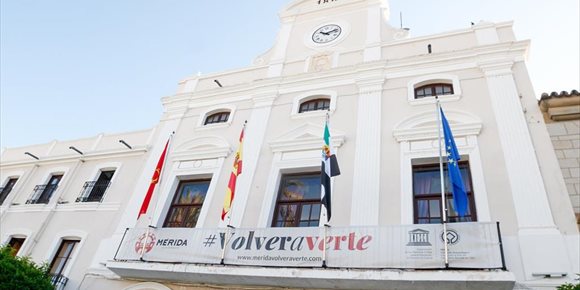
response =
{"points": [[326, 33]]}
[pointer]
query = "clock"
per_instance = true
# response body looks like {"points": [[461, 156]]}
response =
{"points": [[326, 33]]}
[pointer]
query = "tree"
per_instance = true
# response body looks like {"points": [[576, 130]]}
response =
{"points": [[22, 273]]}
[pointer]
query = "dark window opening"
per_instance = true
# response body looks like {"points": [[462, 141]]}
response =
{"points": [[220, 117], [42, 193], [62, 257], [95, 190], [16, 244], [427, 195], [4, 191], [298, 203], [315, 105], [187, 203], [433, 90]]}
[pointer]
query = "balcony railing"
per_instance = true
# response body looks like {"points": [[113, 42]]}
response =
{"points": [[93, 191], [42, 193], [420, 246], [58, 281]]}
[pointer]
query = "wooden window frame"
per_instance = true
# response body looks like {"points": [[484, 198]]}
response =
{"points": [[19, 241], [176, 196], [303, 108], [299, 203], [472, 217], [68, 257], [217, 118], [433, 89]]}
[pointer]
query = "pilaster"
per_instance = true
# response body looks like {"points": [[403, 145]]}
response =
{"points": [[253, 142], [542, 246], [365, 191], [526, 183]]}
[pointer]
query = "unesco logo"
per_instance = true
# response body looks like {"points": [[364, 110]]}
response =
{"points": [[418, 238], [452, 237], [145, 244]]}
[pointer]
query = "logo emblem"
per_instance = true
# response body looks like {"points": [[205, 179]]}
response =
{"points": [[145, 244], [452, 237], [418, 238]]}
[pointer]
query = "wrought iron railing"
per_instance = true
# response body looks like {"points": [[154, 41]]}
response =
{"points": [[93, 191], [58, 281], [42, 193]]}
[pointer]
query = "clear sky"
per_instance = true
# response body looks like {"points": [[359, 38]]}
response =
{"points": [[71, 69]]}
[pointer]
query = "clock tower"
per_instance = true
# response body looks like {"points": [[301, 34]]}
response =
{"points": [[330, 33]]}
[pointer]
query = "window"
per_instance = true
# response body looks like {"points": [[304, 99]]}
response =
{"points": [[433, 90], [187, 203], [315, 105], [62, 257], [4, 191], [219, 117], [16, 244], [427, 194], [95, 190], [298, 203], [42, 193]]}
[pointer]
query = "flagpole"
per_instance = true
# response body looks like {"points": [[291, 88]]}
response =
{"points": [[144, 242], [443, 201]]}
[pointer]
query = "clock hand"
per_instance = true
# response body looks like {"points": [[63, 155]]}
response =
{"points": [[325, 33]]}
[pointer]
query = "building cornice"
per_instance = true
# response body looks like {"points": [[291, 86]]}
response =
{"points": [[87, 156]]}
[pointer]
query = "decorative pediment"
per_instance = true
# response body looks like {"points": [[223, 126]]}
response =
{"points": [[423, 126], [201, 148], [305, 137]]}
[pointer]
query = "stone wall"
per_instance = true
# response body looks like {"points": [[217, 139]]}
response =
{"points": [[566, 140]]}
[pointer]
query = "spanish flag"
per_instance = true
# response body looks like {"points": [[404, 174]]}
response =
{"points": [[154, 181], [236, 170]]}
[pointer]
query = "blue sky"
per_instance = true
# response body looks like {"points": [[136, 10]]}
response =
{"points": [[71, 69]]}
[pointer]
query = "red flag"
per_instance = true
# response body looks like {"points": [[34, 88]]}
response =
{"points": [[236, 170], [154, 181]]}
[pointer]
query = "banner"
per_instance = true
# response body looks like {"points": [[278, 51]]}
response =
{"points": [[471, 245]]}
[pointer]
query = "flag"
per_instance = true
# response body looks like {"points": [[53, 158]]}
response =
{"points": [[329, 169], [457, 187], [154, 181], [236, 170]]}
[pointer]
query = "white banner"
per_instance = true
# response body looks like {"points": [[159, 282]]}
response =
{"points": [[471, 245]]}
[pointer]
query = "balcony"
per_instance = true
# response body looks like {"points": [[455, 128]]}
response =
{"points": [[93, 191], [325, 257], [58, 281], [42, 193]]}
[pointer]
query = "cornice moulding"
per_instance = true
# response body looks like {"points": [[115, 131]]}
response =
{"points": [[86, 157]]}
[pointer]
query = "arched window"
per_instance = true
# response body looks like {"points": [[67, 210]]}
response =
{"points": [[438, 89], [219, 117], [314, 105]]}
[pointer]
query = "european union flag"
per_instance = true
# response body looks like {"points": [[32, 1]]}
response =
{"points": [[458, 189]]}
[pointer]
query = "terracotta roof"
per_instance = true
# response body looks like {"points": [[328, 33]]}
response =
{"points": [[562, 94]]}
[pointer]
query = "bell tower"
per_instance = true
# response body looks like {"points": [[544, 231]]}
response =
{"points": [[320, 30]]}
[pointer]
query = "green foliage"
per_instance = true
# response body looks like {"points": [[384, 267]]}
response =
{"points": [[569, 286], [21, 273]]}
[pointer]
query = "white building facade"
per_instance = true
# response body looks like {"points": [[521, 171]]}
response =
{"points": [[377, 85]]}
